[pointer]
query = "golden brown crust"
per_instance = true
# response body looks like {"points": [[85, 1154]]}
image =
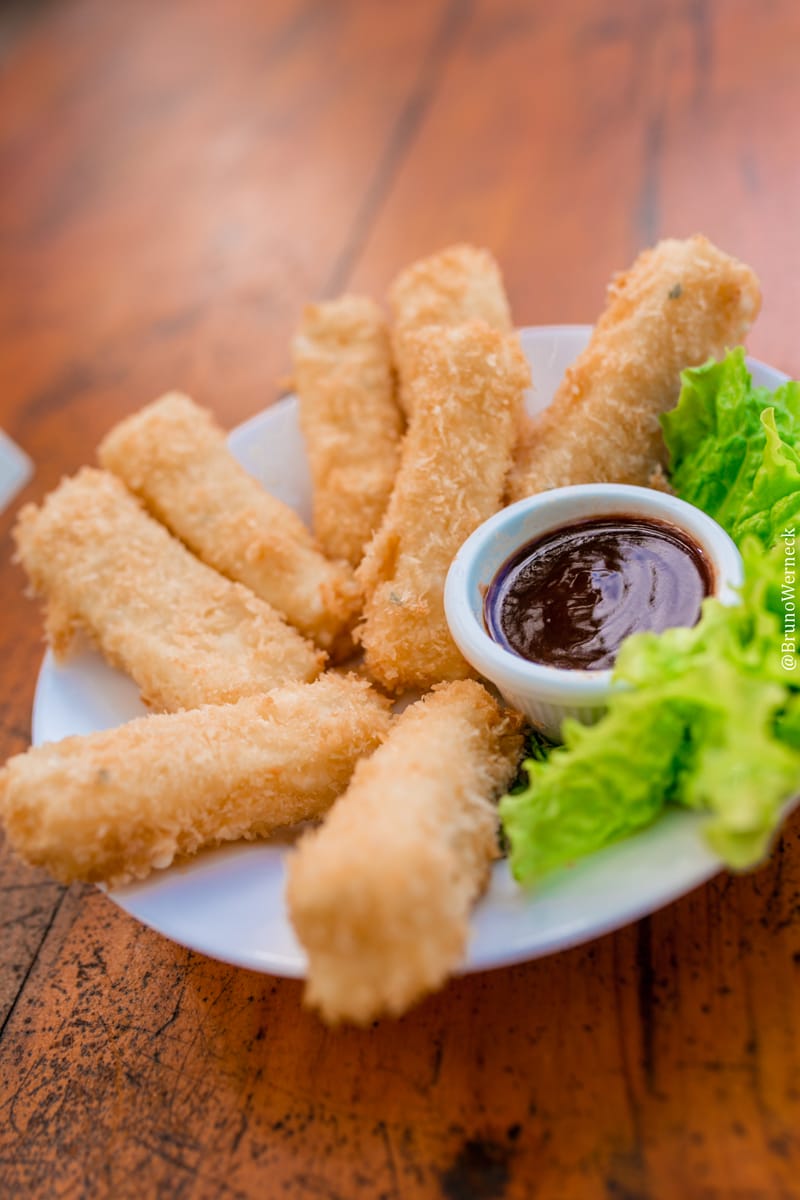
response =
{"points": [[458, 284], [183, 632], [467, 384], [657, 480], [681, 303], [461, 283], [380, 896], [350, 419], [113, 806], [175, 458]]}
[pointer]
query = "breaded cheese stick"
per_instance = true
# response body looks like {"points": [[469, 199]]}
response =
{"points": [[681, 303], [350, 419], [183, 632], [461, 283], [380, 896], [110, 807], [175, 458], [467, 382]]}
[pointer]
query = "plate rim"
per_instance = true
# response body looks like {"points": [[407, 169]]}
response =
{"points": [[580, 932]]}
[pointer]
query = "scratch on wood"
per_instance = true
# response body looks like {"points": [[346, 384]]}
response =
{"points": [[648, 208], [646, 996], [34, 959], [398, 143]]}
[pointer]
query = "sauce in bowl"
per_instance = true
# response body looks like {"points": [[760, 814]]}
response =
{"points": [[569, 598]]}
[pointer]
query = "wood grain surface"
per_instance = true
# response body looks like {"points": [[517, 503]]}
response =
{"points": [[176, 179]]}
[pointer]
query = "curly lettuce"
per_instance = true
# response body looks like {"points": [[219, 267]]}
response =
{"points": [[732, 448]]}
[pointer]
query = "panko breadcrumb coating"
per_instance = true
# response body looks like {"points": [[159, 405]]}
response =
{"points": [[175, 458], [380, 896], [183, 632], [112, 806], [461, 283], [681, 303], [350, 419], [467, 383]]}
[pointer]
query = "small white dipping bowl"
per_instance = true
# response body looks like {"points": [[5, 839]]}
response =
{"points": [[546, 695]]}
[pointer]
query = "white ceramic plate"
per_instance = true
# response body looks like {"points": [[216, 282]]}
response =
{"points": [[228, 903]]}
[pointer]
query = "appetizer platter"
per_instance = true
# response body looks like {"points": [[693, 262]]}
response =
{"points": [[273, 660]]}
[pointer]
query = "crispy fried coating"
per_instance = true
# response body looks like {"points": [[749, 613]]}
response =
{"points": [[113, 806], [461, 283], [350, 419], [467, 384], [174, 457], [380, 896], [681, 303], [183, 632]]}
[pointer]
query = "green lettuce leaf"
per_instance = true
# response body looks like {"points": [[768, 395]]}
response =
{"points": [[741, 772], [605, 782], [787, 723], [732, 448]]}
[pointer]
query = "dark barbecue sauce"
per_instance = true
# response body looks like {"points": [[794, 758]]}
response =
{"points": [[571, 597]]}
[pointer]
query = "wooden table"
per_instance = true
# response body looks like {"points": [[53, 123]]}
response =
{"points": [[176, 179]]}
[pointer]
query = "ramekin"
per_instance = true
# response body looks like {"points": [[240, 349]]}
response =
{"points": [[546, 695]]}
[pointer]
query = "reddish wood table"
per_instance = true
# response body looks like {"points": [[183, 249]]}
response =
{"points": [[177, 178]]}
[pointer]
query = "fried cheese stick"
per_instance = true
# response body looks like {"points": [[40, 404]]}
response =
{"points": [[380, 895], [467, 383], [112, 806], [458, 284], [174, 457], [350, 419], [681, 303], [183, 632]]}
